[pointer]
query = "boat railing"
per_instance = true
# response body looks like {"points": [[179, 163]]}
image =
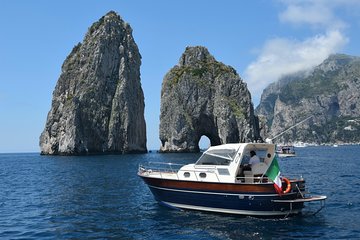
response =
{"points": [[161, 166], [171, 170], [166, 170], [264, 179], [253, 179]]}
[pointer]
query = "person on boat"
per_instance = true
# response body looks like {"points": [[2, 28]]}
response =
{"points": [[254, 159]]}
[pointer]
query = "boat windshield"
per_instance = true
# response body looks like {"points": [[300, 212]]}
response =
{"points": [[217, 157]]}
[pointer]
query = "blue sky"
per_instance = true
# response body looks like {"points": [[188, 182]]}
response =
{"points": [[261, 39]]}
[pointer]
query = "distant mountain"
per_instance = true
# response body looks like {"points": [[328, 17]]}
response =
{"points": [[330, 93]]}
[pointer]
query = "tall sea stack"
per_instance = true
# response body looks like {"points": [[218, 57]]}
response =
{"points": [[98, 102], [203, 97]]}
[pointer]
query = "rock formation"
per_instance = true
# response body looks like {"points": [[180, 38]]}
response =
{"points": [[330, 93], [98, 102], [201, 96]]}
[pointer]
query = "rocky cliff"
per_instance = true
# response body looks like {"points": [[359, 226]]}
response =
{"points": [[201, 96], [98, 102], [330, 93]]}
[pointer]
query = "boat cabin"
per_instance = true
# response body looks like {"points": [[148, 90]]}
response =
{"points": [[230, 163]]}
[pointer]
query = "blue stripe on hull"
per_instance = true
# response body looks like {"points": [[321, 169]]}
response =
{"points": [[236, 202]]}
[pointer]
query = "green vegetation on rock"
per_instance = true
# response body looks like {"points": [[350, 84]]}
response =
{"points": [[310, 87], [236, 108], [201, 73]]}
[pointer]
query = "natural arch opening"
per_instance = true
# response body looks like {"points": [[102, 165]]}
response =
{"points": [[204, 143]]}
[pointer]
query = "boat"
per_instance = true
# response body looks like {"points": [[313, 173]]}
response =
{"points": [[300, 144], [220, 181], [285, 151]]}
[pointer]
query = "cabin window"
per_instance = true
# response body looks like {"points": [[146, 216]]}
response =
{"points": [[223, 171], [186, 174], [202, 175], [217, 157]]}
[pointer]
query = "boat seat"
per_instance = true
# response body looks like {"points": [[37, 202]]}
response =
{"points": [[249, 176], [258, 170]]}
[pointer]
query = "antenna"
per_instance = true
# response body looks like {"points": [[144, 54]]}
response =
{"points": [[269, 140]]}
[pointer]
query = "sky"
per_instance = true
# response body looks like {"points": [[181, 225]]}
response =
{"points": [[261, 39]]}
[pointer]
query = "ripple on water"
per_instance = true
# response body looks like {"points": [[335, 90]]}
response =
{"points": [[101, 197]]}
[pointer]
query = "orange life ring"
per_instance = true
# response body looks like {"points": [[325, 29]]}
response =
{"points": [[288, 187]]}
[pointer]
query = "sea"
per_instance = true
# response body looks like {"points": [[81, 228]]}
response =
{"points": [[101, 197]]}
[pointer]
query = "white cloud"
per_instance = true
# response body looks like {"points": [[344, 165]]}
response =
{"points": [[317, 13], [280, 56], [284, 56]]}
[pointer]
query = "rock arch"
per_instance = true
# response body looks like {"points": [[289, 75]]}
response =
{"points": [[204, 142], [207, 127], [201, 96]]}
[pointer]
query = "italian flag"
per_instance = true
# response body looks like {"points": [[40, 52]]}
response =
{"points": [[273, 173]]}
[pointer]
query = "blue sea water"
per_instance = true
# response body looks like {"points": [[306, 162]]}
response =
{"points": [[101, 197]]}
